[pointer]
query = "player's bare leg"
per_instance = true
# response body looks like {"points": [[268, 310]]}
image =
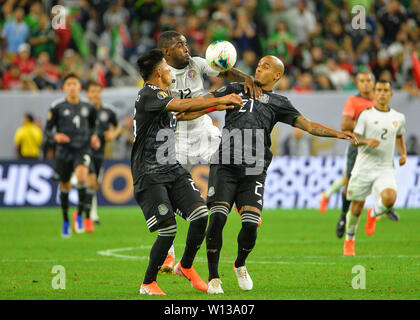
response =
{"points": [[81, 173], [383, 205], [250, 217], [214, 241], [334, 187], [90, 192], [352, 222], [341, 224]]}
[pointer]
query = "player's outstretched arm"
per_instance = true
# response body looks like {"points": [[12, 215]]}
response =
{"points": [[320, 130], [236, 75], [201, 103], [400, 144], [187, 116]]}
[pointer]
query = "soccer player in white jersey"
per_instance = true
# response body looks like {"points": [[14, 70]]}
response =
{"points": [[197, 139], [379, 129]]}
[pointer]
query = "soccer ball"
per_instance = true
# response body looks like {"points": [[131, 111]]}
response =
{"points": [[221, 55]]}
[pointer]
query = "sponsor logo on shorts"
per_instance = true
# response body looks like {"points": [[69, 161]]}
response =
{"points": [[211, 192], [163, 209]]}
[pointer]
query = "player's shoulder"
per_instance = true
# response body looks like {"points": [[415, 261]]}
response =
{"points": [[150, 92], [58, 102], [197, 60], [275, 98], [86, 102], [108, 107], [397, 113]]}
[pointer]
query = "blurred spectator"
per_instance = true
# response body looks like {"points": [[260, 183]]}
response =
{"points": [[15, 31], [116, 15], [277, 14], [297, 144], [244, 33], [344, 63], [50, 71], [43, 39], [11, 78], [23, 60], [301, 22], [357, 43], [121, 147], [382, 64], [248, 63], [219, 28], [281, 42], [71, 63], [413, 148], [32, 19], [391, 18], [28, 139], [304, 83], [283, 84], [323, 83], [339, 77], [334, 39]]}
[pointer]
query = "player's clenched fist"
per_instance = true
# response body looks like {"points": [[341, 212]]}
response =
{"points": [[232, 98], [403, 159], [61, 138], [95, 142]]}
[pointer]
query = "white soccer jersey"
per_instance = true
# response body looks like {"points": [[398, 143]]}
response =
{"points": [[384, 127], [189, 83]]}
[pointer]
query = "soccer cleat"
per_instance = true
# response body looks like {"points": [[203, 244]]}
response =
{"points": [[340, 228], [214, 286], [152, 289], [244, 280], [89, 225], [78, 223], [370, 223], [192, 276], [393, 215], [168, 264], [349, 248], [65, 231], [323, 203]]}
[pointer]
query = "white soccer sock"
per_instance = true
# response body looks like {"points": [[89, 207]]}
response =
{"points": [[94, 209], [335, 187], [351, 225], [172, 250], [379, 209]]}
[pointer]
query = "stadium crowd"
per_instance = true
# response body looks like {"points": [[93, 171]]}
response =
{"points": [[315, 39]]}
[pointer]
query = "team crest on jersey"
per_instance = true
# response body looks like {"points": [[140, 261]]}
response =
{"points": [[264, 98], [222, 89], [163, 209], [395, 124], [103, 116], [66, 112], [191, 74], [211, 192], [84, 112], [162, 95]]}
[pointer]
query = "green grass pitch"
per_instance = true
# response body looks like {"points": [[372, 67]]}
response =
{"points": [[297, 256]]}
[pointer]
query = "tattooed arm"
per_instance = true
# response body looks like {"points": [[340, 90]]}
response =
{"points": [[319, 130]]}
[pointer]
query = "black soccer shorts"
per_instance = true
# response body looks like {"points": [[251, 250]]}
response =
{"points": [[161, 195], [230, 184], [351, 155], [67, 160]]}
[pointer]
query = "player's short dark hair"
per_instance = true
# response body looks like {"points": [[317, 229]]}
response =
{"points": [[148, 62], [29, 116], [70, 75], [166, 38], [384, 81], [92, 83], [365, 72]]}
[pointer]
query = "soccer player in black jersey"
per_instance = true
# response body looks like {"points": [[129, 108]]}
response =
{"points": [[161, 185], [74, 121], [238, 168], [108, 130]]}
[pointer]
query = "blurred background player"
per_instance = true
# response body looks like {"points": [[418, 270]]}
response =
{"points": [[353, 106], [161, 184], [108, 130], [230, 182], [197, 139], [74, 121], [379, 130], [28, 138]]}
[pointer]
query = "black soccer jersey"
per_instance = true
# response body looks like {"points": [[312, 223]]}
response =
{"points": [[255, 120], [105, 116], [154, 131], [78, 121]]}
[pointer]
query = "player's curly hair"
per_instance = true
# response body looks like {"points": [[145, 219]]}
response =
{"points": [[148, 62], [165, 40]]}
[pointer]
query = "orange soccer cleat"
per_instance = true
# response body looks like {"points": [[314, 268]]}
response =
{"points": [[323, 203], [370, 223], [168, 264], [192, 276], [151, 289], [89, 225], [349, 247]]}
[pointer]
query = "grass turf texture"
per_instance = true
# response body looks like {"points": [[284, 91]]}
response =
{"points": [[297, 256]]}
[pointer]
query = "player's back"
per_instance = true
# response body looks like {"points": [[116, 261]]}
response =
{"points": [[384, 127]]}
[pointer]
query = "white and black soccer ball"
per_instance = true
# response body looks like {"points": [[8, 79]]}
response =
{"points": [[221, 55]]}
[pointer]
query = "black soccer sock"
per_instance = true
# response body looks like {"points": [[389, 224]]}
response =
{"points": [[247, 236], [345, 206], [157, 257], [64, 199], [214, 238], [196, 234], [81, 190], [88, 201]]}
